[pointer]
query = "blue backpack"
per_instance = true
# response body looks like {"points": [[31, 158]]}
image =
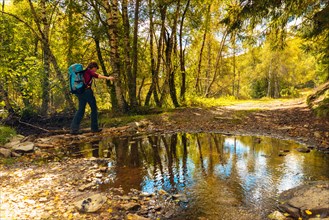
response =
{"points": [[77, 82]]}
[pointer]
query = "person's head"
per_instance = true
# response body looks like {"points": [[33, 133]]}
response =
{"points": [[92, 65]]}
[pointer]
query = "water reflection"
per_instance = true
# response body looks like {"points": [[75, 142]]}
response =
{"points": [[220, 174]]}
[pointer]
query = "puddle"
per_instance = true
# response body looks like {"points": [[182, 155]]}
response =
{"points": [[221, 176]]}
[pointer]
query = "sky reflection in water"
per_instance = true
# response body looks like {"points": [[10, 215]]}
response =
{"points": [[211, 169]]}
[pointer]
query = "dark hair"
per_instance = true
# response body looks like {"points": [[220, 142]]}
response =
{"points": [[92, 65]]}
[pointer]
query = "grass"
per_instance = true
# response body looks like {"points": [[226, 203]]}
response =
{"points": [[106, 121], [5, 134], [229, 100]]}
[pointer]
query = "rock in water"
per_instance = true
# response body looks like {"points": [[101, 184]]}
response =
{"points": [[91, 204], [276, 216], [306, 201], [135, 217], [303, 150], [24, 147]]}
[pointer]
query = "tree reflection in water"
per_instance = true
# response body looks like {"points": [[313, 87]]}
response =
{"points": [[218, 173]]}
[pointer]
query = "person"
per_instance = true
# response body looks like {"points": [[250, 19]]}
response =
{"points": [[88, 97]]}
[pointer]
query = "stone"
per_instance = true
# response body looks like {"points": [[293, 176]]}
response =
{"points": [[17, 138], [276, 216], [317, 134], [180, 197], [135, 217], [145, 194], [5, 152], [86, 186], [313, 196], [162, 192], [303, 150], [43, 199], [24, 147], [91, 204], [14, 154], [131, 206], [11, 144]]}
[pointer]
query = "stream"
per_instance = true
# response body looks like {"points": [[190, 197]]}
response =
{"points": [[216, 176]]}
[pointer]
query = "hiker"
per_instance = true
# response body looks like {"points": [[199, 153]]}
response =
{"points": [[88, 97]]}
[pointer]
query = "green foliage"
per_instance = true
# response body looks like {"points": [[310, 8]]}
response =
{"points": [[258, 88], [322, 109], [291, 92], [5, 134]]}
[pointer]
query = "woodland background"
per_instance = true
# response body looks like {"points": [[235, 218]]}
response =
{"points": [[164, 53]]}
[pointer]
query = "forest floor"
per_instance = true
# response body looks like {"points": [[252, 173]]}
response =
{"points": [[34, 189]]}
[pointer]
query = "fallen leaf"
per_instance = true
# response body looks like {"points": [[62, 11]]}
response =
{"points": [[308, 212]]}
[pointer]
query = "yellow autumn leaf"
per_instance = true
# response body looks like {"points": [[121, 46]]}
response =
{"points": [[109, 210], [286, 214], [308, 212], [300, 218]]}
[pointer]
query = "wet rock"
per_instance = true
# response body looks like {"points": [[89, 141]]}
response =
{"points": [[43, 199], [162, 192], [86, 186], [145, 194], [276, 216], [17, 138], [5, 152], [317, 134], [318, 219], [169, 214], [14, 154], [103, 169], [11, 144], [303, 150], [135, 217], [24, 147], [306, 201], [91, 204], [180, 197], [131, 206]]}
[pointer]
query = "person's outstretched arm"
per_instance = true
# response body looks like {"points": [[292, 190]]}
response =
{"points": [[106, 77]]}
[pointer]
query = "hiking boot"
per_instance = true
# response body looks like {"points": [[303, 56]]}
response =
{"points": [[75, 132], [96, 131]]}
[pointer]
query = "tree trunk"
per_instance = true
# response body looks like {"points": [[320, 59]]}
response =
{"points": [[182, 54], [204, 38], [170, 69], [112, 20], [127, 55], [269, 81], [133, 99], [154, 72], [110, 85], [70, 34], [46, 63], [217, 65], [46, 46]]}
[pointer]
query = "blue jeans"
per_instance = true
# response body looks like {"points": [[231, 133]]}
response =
{"points": [[84, 98]]}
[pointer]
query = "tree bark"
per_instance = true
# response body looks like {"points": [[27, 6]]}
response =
{"points": [[133, 99], [204, 38], [110, 85], [127, 55], [112, 21], [46, 46], [153, 87], [170, 69], [217, 65], [182, 54]]}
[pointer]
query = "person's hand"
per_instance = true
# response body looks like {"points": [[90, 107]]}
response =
{"points": [[111, 78]]}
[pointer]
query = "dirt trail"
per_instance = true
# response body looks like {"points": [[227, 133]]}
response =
{"points": [[48, 190]]}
